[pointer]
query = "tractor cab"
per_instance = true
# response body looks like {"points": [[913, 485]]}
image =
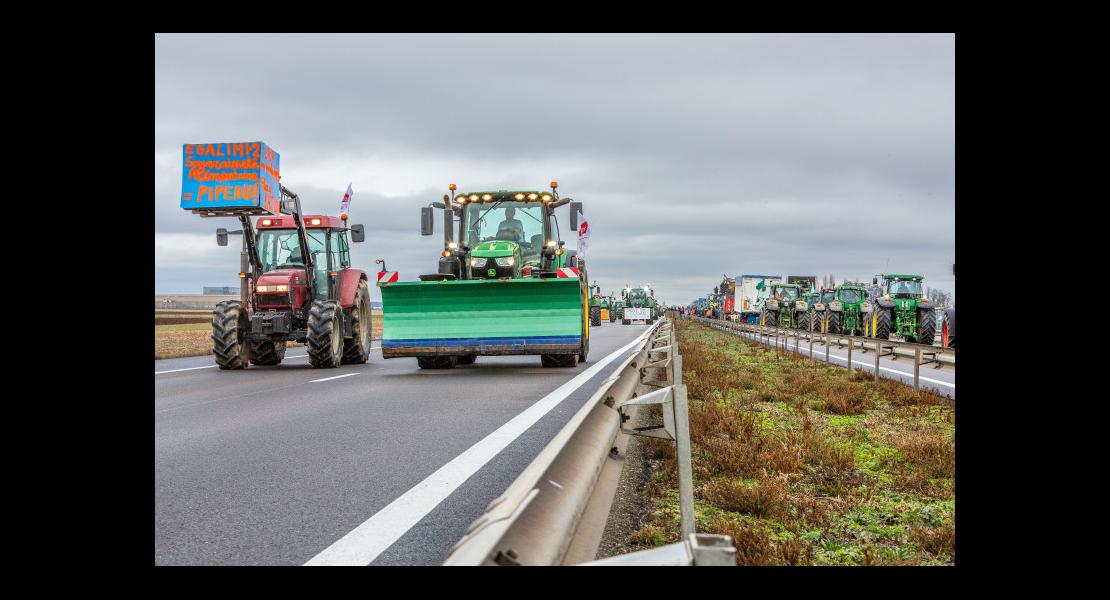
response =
{"points": [[902, 286], [785, 292], [284, 279], [504, 234]]}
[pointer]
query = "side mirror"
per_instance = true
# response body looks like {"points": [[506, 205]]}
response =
{"points": [[221, 236], [427, 221], [358, 233], [574, 208]]}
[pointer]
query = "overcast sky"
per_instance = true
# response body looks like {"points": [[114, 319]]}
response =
{"points": [[695, 155]]}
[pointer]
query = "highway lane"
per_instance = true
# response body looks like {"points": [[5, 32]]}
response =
{"points": [[942, 381], [274, 465]]}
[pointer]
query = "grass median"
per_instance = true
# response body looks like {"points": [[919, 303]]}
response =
{"points": [[804, 463], [189, 333]]}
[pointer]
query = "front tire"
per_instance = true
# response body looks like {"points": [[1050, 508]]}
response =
{"points": [[882, 324], [325, 334], [230, 326], [595, 316], [558, 361], [357, 349], [928, 331], [467, 359], [267, 353], [437, 362]]}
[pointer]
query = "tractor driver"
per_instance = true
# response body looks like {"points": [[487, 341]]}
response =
{"points": [[512, 224]]}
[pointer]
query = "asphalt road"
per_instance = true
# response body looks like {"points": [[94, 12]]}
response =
{"points": [[275, 465], [942, 380]]}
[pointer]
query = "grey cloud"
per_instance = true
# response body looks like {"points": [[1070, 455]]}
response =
{"points": [[702, 155]]}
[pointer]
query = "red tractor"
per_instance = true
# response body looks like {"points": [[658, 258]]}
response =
{"points": [[298, 285]]}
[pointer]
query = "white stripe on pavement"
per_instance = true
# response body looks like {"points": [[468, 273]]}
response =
{"points": [[330, 378], [365, 542]]}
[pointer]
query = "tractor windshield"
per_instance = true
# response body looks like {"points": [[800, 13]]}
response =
{"points": [[788, 294], [520, 222], [850, 296], [904, 289], [279, 249], [828, 296]]}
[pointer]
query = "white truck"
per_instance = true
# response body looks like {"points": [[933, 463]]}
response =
{"points": [[751, 293]]}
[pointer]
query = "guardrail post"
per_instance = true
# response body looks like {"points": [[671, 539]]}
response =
{"points": [[825, 340], [916, 366], [811, 346], [851, 342], [878, 353], [682, 454]]}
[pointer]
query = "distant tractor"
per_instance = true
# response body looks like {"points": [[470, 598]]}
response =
{"points": [[784, 307], [849, 311], [598, 304], [904, 311], [618, 309], [807, 322], [611, 302], [639, 305], [819, 310]]}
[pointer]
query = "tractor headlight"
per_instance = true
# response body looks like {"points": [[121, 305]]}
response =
{"points": [[505, 262], [272, 288], [477, 262]]}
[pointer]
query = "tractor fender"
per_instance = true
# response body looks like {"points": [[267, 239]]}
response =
{"points": [[836, 306], [348, 286], [884, 303], [926, 304]]}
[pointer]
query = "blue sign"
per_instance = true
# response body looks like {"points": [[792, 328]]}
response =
{"points": [[235, 175]]}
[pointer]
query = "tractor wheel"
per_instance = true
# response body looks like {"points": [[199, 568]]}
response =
{"points": [[834, 322], [770, 318], [558, 361], [467, 359], [230, 326], [325, 334], [612, 315], [357, 349], [803, 322], [437, 362], [928, 331], [267, 353], [595, 316], [882, 324]]}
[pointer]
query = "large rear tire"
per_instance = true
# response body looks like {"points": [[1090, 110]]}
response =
{"points": [[803, 322], [928, 331], [595, 316], [612, 315], [437, 362], [357, 349], [325, 334], [882, 324], [230, 326], [267, 353], [834, 322], [770, 318]]}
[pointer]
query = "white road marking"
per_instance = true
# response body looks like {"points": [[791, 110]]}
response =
{"points": [[330, 378], [872, 365], [214, 366], [365, 542]]}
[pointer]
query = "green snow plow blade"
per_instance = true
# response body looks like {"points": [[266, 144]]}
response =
{"points": [[483, 317]]}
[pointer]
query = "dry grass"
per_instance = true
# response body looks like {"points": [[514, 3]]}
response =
{"points": [[806, 463]]}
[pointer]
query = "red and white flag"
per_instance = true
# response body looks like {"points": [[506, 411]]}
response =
{"points": [[345, 205], [583, 236]]}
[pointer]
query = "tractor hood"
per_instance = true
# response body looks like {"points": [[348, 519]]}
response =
{"points": [[495, 249], [283, 277]]}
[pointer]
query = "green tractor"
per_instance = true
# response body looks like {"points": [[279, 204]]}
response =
{"points": [[612, 303], [505, 285], [848, 311], [601, 306], [903, 310], [618, 310], [785, 306], [819, 309], [808, 321], [639, 305]]}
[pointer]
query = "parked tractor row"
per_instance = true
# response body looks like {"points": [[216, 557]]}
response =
{"points": [[894, 308]]}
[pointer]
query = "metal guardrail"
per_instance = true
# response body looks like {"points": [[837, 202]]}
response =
{"points": [[920, 354], [555, 511]]}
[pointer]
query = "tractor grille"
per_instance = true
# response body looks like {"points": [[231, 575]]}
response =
{"points": [[276, 300], [483, 271]]}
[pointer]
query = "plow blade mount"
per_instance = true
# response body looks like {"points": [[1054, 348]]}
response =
{"points": [[484, 317]]}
